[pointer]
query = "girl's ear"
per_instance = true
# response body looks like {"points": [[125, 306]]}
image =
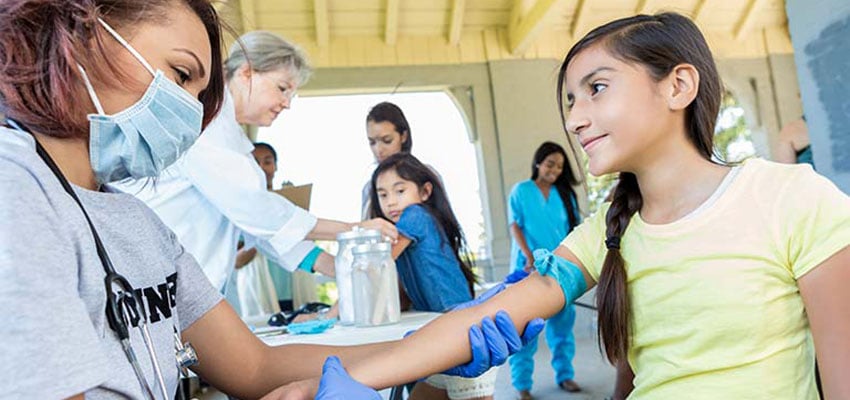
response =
{"points": [[684, 86], [425, 191]]}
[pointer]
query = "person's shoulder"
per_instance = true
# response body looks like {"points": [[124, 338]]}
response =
{"points": [[789, 186], [21, 170], [17, 147], [772, 176], [224, 131], [415, 212], [522, 186], [416, 222], [18, 180]]}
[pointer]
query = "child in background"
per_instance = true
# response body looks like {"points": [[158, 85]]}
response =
{"points": [[793, 145], [431, 256], [298, 287]]}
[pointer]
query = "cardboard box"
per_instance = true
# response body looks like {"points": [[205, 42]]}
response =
{"points": [[298, 195]]}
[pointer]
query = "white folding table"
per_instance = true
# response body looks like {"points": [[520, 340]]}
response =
{"points": [[341, 335]]}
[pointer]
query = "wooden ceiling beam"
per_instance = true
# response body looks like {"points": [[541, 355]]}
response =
{"points": [[323, 26], [698, 10], [523, 29], [391, 26], [745, 23], [456, 25], [643, 7], [580, 20], [249, 15]]}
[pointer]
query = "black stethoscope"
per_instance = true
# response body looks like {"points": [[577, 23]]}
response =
{"points": [[125, 298]]}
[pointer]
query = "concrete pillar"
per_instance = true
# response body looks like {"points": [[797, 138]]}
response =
{"points": [[526, 111]]}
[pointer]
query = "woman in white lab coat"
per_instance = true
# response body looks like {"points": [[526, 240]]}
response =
{"points": [[216, 193]]}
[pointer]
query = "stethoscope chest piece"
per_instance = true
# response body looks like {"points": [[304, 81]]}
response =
{"points": [[185, 354]]}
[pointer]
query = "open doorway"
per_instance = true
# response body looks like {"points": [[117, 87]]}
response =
{"points": [[322, 140], [733, 139]]}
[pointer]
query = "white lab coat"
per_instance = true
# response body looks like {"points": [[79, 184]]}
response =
{"points": [[216, 193]]}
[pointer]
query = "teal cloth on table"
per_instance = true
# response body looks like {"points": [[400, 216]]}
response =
{"points": [[310, 327]]}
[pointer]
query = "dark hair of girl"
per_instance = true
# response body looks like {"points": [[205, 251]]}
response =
{"points": [[268, 147], [411, 169], [658, 43], [564, 183], [389, 112], [41, 42]]}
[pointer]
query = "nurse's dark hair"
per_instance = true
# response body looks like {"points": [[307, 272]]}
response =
{"points": [[658, 43], [564, 183], [389, 112], [41, 42], [411, 169]]}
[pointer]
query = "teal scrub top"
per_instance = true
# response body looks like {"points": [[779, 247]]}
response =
{"points": [[544, 222]]}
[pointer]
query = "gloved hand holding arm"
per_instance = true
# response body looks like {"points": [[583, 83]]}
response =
{"points": [[497, 338], [444, 342], [491, 343]]}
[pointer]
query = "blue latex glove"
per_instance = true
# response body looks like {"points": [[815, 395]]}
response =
{"points": [[493, 342], [336, 384], [516, 276]]}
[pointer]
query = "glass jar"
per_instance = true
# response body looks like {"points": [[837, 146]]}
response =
{"points": [[375, 282], [342, 268]]}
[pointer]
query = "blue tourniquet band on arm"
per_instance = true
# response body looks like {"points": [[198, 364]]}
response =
{"points": [[567, 274], [310, 260]]}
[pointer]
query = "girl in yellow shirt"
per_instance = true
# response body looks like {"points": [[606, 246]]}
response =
{"points": [[713, 281]]}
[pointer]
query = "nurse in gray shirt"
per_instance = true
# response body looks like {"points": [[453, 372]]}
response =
{"points": [[64, 229]]}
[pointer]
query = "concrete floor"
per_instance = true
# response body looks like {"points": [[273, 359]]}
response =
{"points": [[593, 373]]}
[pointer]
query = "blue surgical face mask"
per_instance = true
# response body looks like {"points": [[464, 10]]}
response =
{"points": [[145, 138]]}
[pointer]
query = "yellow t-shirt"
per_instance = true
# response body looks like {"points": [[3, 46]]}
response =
{"points": [[716, 311]]}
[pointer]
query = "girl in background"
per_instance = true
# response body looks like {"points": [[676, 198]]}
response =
{"points": [[295, 288], [540, 218], [714, 281], [388, 133], [431, 255]]}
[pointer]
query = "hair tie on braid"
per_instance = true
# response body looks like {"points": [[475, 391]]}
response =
{"points": [[613, 243]]}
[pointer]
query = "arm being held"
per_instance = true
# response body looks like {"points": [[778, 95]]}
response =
{"points": [[444, 342]]}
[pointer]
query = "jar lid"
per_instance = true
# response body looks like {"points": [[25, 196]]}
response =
{"points": [[382, 247], [358, 233]]}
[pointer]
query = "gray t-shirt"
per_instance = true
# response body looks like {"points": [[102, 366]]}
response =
{"points": [[56, 341]]}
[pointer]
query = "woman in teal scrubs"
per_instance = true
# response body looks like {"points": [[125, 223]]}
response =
{"points": [[543, 210]]}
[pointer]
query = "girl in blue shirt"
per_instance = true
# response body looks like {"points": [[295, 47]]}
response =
{"points": [[540, 218], [431, 255]]}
